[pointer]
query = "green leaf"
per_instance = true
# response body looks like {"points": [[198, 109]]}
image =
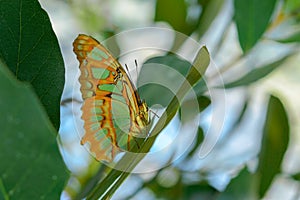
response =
{"points": [[199, 140], [291, 38], [31, 165], [176, 18], [274, 144], [256, 74], [165, 71], [240, 115], [28, 46], [203, 102], [252, 19], [241, 187]]}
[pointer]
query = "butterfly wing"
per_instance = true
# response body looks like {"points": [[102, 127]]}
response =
{"points": [[112, 110]]}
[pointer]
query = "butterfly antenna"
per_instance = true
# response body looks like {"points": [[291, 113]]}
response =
{"points": [[136, 68], [156, 115], [127, 68], [137, 74]]}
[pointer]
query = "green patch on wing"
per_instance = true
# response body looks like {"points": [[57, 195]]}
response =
{"points": [[99, 73], [109, 88], [97, 54]]}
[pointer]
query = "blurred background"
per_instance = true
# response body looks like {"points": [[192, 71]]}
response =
{"points": [[253, 89]]}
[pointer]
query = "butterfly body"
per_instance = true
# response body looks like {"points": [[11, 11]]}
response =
{"points": [[112, 111]]}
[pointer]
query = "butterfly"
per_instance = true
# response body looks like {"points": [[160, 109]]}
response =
{"points": [[112, 111]]}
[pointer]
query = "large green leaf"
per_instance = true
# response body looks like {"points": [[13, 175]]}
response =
{"points": [[256, 74], [31, 166], [30, 49], [274, 144], [252, 18]]}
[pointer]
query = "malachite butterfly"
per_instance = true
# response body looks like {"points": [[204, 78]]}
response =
{"points": [[112, 111]]}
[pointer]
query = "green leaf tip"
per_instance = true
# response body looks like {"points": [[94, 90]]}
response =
{"points": [[274, 144]]}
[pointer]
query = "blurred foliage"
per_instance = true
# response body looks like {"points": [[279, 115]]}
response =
{"points": [[32, 77]]}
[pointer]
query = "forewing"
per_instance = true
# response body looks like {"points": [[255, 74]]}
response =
{"points": [[110, 104]]}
